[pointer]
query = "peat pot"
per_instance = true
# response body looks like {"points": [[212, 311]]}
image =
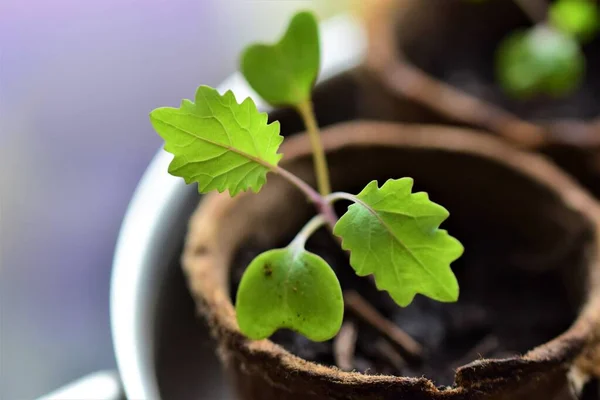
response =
{"points": [[526, 325]]}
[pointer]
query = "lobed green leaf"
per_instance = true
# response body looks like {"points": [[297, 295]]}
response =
{"points": [[394, 235], [219, 143]]}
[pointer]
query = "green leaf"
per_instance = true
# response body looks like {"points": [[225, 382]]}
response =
{"points": [[289, 288], [579, 18], [219, 143], [539, 61], [393, 234], [285, 73]]}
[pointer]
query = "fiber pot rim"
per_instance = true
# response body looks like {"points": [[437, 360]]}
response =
{"points": [[211, 293]]}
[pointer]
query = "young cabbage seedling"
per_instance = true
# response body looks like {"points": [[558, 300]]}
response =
{"points": [[390, 232], [547, 59]]}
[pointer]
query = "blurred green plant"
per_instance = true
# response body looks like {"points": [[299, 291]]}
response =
{"points": [[541, 60], [547, 59], [578, 18]]}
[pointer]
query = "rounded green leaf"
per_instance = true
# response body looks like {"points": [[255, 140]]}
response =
{"points": [[219, 143], [284, 73], [394, 235], [579, 18], [289, 288], [539, 61]]}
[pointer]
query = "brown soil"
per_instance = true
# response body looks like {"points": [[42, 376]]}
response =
{"points": [[503, 310]]}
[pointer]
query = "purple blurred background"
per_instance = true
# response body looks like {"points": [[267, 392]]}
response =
{"points": [[77, 80]]}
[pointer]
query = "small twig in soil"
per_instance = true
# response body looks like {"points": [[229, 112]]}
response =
{"points": [[387, 351], [369, 314], [344, 346], [481, 349]]}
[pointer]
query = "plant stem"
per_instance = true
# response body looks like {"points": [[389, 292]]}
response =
{"points": [[311, 227], [306, 111], [363, 309], [333, 197], [327, 211], [344, 346], [311, 193], [323, 206]]}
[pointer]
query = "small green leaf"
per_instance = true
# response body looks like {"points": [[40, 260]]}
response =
{"points": [[539, 61], [289, 288], [219, 143], [393, 234], [285, 73], [579, 18]]}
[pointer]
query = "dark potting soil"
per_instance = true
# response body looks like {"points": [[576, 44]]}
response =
{"points": [[591, 391], [503, 310]]}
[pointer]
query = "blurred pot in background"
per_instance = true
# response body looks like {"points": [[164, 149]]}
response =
{"points": [[438, 57]]}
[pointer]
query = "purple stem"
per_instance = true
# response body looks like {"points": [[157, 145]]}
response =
{"points": [[323, 206]]}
